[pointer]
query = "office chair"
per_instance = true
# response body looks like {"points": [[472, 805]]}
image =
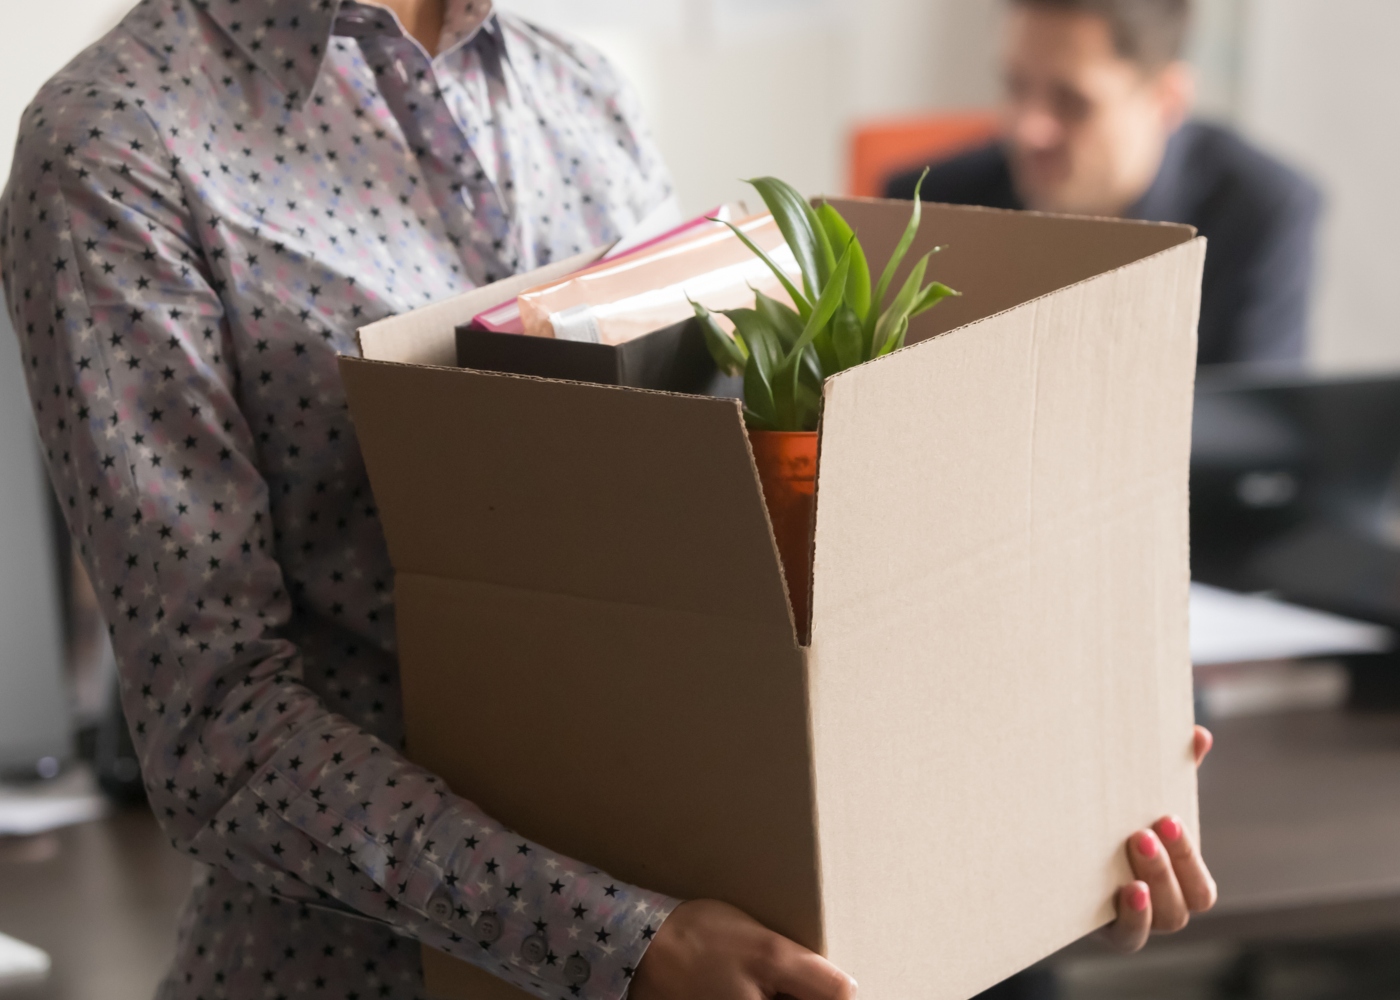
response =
{"points": [[881, 149]]}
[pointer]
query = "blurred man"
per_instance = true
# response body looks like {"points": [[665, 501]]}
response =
{"points": [[1094, 122]]}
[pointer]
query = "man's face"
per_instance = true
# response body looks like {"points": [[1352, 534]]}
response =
{"points": [[1085, 128]]}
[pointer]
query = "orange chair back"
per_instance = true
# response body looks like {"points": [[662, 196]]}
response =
{"points": [[881, 149]]}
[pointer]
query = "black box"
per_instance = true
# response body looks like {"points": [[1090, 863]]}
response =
{"points": [[673, 359]]}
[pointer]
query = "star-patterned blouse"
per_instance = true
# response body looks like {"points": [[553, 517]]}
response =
{"points": [[204, 207]]}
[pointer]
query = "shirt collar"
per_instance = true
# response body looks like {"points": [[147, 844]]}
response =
{"points": [[287, 39], [461, 22], [1159, 202]]}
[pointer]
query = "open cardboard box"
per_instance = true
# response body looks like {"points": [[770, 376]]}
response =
{"points": [[936, 791]]}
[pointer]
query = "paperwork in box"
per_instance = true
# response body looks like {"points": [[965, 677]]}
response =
{"points": [[616, 301], [999, 653], [661, 226]]}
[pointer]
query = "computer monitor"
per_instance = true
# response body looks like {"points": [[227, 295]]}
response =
{"points": [[1295, 489]]}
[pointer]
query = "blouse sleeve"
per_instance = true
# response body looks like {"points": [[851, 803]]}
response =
{"points": [[123, 334]]}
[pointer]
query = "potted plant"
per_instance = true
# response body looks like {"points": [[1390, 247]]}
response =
{"points": [[785, 353]]}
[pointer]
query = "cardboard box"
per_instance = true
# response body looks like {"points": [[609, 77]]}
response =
{"points": [[937, 790]]}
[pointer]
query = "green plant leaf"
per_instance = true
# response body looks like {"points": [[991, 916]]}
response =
{"points": [[896, 338], [760, 337], [825, 350], [783, 319], [758, 392], [931, 296], [788, 326], [730, 353], [905, 242], [799, 226], [804, 307], [810, 370], [809, 406], [757, 421], [899, 309], [825, 307], [847, 337], [841, 234], [785, 400], [786, 376]]}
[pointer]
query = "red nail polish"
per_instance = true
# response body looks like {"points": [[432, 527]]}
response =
{"points": [[1139, 898], [1170, 829], [1147, 845]]}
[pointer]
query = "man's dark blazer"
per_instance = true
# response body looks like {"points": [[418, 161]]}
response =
{"points": [[1259, 216]]}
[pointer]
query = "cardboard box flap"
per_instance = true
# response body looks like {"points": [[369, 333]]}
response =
{"points": [[1000, 259], [593, 491], [427, 336], [1000, 549]]}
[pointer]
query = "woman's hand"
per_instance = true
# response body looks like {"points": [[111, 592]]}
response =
{"points": [[708, 950], [1173, 881]]}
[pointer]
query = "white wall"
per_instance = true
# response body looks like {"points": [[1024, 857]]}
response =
{"points": [[742, 87], [736, 88], [1320, 85], [39, 38], [739, 88], [33, 703]]}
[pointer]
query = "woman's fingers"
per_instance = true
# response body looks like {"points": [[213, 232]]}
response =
{"points": [[1201, 742], [1173, 880], [1192, 875], [1134, 924], [804, 975], [1152, 865]]}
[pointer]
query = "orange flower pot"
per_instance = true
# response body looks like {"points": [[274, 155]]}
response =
{"points": [[787, 469]]}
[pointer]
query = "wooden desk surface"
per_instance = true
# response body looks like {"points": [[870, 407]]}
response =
{"points": [[101, 899], [1303, 809]]}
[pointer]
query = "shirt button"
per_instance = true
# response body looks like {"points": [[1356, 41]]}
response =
{"points": [[489, 927], [577, 970], [440, 908], [534, 949]]}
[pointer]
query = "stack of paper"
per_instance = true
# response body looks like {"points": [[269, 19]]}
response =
{"points": [[1227, 627], [21, 964], [1256, 655], [26, 810]]}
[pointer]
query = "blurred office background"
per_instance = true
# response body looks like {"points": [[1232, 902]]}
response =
{"points": [[1303, 797]]}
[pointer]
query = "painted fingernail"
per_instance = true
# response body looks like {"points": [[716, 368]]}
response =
{"points": [[1147, 845], [1139, 898], [1170, 829]]}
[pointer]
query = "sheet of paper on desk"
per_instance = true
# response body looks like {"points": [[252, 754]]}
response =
{"points": [[1227, 627], [21, 963], [66, 800]]}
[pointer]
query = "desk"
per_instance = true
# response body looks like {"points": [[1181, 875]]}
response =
{"points": [[101, 899], [1301, 824]]}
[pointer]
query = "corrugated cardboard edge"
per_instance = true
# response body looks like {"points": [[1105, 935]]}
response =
{"points": [[428, 336], [837, 200]]}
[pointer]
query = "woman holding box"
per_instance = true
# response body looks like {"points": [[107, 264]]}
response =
{"points": [[205, 206]]}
